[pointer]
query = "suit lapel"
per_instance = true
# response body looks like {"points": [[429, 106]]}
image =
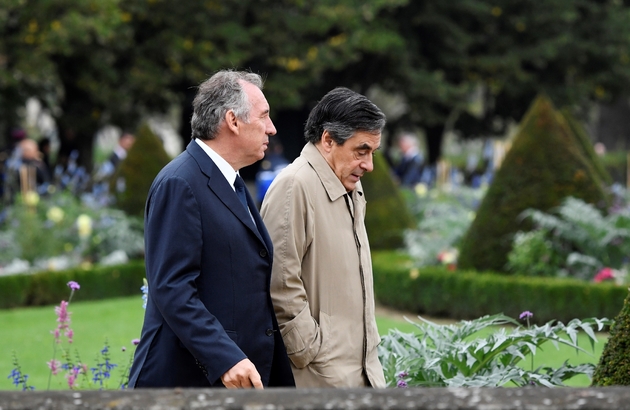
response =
{"points": [[262, 230], [222, 189]]}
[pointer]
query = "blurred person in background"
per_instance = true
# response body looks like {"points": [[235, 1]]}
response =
{"points": [[409, 169]]}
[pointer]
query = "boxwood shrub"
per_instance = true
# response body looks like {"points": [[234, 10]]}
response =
{"points": [[48, 288], [462, 295]]}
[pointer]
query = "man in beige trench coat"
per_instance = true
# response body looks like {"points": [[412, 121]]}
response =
{"points": [[321, 283]]}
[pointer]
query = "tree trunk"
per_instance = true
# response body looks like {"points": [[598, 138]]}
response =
{"points": [[434, 137]]}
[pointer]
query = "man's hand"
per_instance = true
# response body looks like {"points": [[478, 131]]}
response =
{"points": [[242, 376]]}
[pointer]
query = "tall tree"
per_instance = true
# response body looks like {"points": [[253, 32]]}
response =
{"points": [[475, 65]]}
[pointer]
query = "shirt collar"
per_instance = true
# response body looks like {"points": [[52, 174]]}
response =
{"points": [[225, 168], [331, 182]]}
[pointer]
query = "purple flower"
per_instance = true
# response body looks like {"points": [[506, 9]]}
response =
{"points": [[74, 285], [401, 384], [526, 315], [402, 375], [135, 342]]}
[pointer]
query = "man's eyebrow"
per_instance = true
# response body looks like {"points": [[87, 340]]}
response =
{"points": [[366, 146]]}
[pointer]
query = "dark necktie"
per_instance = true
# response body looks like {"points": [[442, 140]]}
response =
{"points": [[239, 187]]}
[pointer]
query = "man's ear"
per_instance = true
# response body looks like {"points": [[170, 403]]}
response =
{"points": [[231, 121], [327, 141]]}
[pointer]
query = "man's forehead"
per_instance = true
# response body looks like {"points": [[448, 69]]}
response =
{"points": [[363, 139]]}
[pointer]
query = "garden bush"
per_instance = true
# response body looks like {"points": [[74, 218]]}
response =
{"points": [[575, 240], [145, 159], [56, 231], [48, 288], [387, 215], [462, 294], [613, 368], [616, 164], [545, 165], [586, 144]]}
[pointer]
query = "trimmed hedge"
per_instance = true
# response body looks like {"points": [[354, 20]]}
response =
{"points": [[49, 288], [463, 295], [144, 161], [613, 368], [545, 165], [387, 216]]}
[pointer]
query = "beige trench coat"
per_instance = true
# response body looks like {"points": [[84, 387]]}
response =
{"points": [[321, 283]]}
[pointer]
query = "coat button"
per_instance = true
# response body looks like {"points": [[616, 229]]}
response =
{"points": [[263, 253], [269, 332]]}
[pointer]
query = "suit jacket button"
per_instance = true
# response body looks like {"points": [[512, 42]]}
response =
{"points": [[269, 332], [263, 253]]}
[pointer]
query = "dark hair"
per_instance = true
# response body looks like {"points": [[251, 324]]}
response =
{"points": [[342, 112], [216, 96]]}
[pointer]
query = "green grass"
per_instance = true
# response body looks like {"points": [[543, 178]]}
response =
{"points": [[27, 332]]}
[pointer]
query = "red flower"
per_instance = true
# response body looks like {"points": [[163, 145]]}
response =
{"points": [[604, 274]]}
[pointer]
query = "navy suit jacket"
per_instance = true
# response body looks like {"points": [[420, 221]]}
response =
{"points": [[208, 268]]}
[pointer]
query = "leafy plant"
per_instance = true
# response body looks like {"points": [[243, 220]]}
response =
{"points": [[38, 229], [533, 254], [443, 218], [578, 240], [455, 356]]}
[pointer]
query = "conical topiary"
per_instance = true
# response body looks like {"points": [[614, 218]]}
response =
{"points": [[144, 160], [387, 215], [586, 145], [544, 166], [613, 368]]}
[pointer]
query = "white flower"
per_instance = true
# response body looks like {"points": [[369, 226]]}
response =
{"points": [[55, 214], [31, 198], [421, 190], [84, 225]]}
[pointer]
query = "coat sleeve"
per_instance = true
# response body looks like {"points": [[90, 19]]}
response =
{"points": [[288, 216], [173, 258]]}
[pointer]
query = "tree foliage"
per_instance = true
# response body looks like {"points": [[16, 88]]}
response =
{"points": [[468, 65]]}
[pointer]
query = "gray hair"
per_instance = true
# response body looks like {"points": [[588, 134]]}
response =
{"points": [[216, 96], [342, 112]]}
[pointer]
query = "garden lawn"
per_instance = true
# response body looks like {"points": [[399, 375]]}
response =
{"points": [[27, 332]]}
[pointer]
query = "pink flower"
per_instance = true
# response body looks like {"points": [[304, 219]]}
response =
{"points": [[63, 319], [135, 342], [54, 366], [62, 312], [69, 335], [604, 274], [72, 376]]}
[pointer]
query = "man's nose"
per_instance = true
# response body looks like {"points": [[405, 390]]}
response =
{"points": [[368, 164], [271, 129]]}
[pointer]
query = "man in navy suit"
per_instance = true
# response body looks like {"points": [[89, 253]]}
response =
{"points": [[209, 319]]}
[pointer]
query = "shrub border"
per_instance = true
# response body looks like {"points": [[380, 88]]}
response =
{"points": [[464, 295], [50, 287]]}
